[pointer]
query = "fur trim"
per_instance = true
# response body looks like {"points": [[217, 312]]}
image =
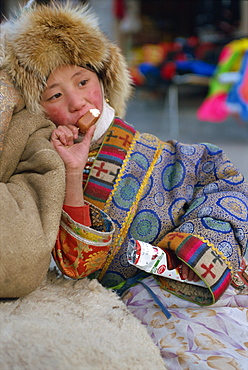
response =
{"points": [[45, 37]]}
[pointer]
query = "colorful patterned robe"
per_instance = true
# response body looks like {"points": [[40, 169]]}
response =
{"points": [[187, 198]]}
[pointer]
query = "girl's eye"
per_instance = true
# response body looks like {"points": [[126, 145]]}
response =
{"points": [[55, 96], [83, 82]]}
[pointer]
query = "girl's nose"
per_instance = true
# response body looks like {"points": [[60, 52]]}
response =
{"points": [[76, 102]]}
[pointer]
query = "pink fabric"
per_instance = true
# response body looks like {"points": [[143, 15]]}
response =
{"points": [[214, 109]]}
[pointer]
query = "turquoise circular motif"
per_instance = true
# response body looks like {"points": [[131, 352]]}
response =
{"points": [[225, 248], [234, 207], [149, 138], [141, 160], [210, 188], [239, 233], [189, 192], [187, 227], [205, 211], [126, 192], [208, 167], [145, 226], [216, 225], [187, 149], [159, 198], [173, 175], [123, 260]]}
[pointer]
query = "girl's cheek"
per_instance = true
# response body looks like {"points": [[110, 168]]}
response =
{"points": [[97, 99], [56, 115]]}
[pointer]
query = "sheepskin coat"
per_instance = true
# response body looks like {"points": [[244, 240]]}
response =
{"points": [[32, 190]]}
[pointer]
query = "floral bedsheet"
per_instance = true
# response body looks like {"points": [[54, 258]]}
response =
{"points": [[194, 337]]}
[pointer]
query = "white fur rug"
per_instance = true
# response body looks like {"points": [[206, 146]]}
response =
{"points": [[73, 325]]}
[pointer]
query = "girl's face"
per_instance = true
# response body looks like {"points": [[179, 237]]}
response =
{"points": [[70, 92]]}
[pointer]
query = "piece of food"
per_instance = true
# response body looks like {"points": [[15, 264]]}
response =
{"points": [[88, 119]]}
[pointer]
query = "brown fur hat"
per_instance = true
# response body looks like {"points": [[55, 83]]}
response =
{"points": [[44, 37]]}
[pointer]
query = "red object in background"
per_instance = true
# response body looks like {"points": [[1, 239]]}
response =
{"points": [[192, 41], [119, 8], [203, 49], [137, 78], [168, 71]]}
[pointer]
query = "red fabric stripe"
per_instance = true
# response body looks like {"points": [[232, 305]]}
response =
{"points": [[94, 190], [117, 153], [189, 248]]}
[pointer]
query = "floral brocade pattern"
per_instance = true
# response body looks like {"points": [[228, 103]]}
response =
{"points": [[81, 250], [194, 337]]}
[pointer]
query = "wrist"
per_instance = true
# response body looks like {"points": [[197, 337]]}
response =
{"points": [[74, 192], [73, 172], [74, 180]]}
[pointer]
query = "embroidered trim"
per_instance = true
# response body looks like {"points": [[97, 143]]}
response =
{"points": [[119, 177], [218, 252], [131, 213], [80, 238], [95, 234], [104, 170]]}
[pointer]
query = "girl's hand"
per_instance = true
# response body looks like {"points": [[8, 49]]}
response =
{"points": [[187, 273], [74, 156]]}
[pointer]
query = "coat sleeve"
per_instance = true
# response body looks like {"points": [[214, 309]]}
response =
{"points": [[218, 207], [81, 250], [31, 197], [211, 232]]}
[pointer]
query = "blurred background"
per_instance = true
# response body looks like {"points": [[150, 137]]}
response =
{"points": [[189, 63]]}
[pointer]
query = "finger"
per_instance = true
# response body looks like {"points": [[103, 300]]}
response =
{"points": [[74, 130], [191, 275], [60, 136], [64, 135], [67, 130], [184, 271], [196, 278]]}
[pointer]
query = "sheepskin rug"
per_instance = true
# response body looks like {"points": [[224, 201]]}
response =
{"points": [[73, 325]]}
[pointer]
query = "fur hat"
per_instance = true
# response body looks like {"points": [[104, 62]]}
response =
{"points": [[44, 37]]}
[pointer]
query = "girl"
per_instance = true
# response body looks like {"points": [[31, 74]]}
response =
{"points": [[189, 200]]}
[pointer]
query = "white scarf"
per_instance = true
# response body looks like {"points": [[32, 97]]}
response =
{"points": [[103, 122]]}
